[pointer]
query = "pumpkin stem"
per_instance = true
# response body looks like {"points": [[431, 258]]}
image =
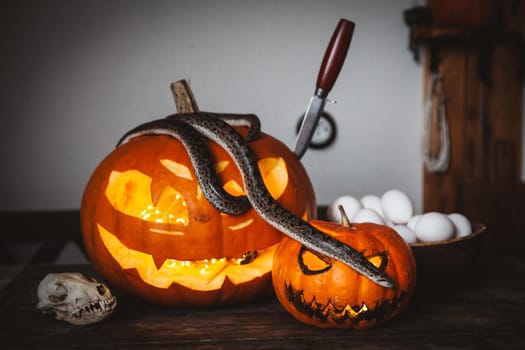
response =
{"points": [[183, 96], [344, 218]]}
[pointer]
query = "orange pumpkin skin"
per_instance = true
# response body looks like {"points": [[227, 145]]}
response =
{"points": [[329, 294], [137, 251]]}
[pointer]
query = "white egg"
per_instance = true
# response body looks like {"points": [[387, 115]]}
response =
{"points": [[368, 215], [397, 206], [350, 204], [373, 202], [433, 227], [406, 233], [462, 224], [413, 221]]}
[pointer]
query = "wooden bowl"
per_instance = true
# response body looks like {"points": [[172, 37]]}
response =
{"points": [[448, 259]]}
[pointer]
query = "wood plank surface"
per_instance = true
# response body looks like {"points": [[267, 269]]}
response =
{"points": [[484, 311]]}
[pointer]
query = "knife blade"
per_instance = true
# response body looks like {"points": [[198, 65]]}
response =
{"points": [[331, 65]]}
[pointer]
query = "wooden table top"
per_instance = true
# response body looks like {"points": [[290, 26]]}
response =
{"points": [[483, 311]]}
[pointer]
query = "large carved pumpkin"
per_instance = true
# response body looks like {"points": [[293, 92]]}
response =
{"points": [[328, 294], [149, 231]]}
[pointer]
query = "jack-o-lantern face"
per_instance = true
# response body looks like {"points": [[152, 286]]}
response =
{"points": [[328, 294], [149, 230]]}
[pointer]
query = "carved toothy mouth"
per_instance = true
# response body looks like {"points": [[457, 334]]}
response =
{"points": [[209, 274], [325, 312]]}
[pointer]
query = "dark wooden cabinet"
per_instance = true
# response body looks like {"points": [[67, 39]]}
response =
{"points": [[482, 72]]}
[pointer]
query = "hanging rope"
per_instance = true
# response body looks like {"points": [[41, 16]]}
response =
{"points": [[438, 164]]}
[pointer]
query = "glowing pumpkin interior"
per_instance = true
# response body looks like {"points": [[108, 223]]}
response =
{"points": [[149, 231], [129, 192]]}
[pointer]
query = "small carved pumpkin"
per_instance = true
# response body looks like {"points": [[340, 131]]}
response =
{"points": [[329, 294], [149, 230]]}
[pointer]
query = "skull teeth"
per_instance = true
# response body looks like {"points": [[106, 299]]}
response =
{"points": [[74, 298], [98, 306]]}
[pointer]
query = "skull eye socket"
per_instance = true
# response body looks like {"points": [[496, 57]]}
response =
{"points": [[101, 289], [58, 298], [58, 294]]}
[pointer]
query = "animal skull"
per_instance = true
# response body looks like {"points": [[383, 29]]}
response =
{"points": [[74, 298]]}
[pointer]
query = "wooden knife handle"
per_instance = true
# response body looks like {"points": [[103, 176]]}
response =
{"points": [[335, 55]]}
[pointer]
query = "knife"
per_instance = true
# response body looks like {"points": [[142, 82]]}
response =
{"points": [[333, 60]]}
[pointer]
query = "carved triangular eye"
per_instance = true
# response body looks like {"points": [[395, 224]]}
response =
{"points": [[312, 263], [379, 260], [130, 192]]}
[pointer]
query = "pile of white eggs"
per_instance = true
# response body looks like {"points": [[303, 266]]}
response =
{"points": [[394, 208]]}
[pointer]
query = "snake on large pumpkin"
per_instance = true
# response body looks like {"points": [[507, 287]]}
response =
{"points": [[189, 128]]}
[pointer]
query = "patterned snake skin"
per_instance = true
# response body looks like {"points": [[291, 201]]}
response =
{"points": [[200, 158], [216, 127]]}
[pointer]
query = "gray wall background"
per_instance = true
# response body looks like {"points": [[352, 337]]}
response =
{"points": [[76, 75]]}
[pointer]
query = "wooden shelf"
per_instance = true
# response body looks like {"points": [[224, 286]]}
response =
{"points": [[428, 34]]}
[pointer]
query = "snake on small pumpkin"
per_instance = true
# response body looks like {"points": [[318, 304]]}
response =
{"points": [[189, 129]]}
